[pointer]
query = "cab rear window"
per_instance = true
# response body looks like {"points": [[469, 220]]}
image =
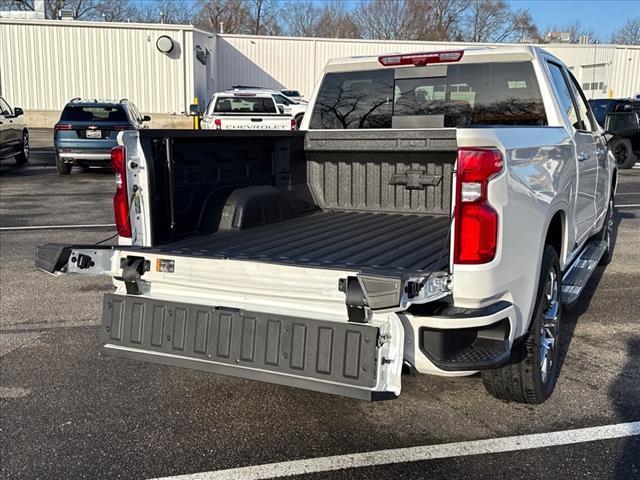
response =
{"points": [[77, 113], [245, 105], [459, 95]]}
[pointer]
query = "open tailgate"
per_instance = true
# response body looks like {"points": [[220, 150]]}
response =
{"points": [[360, 360]]}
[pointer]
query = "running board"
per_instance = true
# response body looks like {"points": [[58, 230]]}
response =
{"points": [[580, 271]]}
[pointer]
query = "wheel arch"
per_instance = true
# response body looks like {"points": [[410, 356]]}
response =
{"points": [[556, 234]]}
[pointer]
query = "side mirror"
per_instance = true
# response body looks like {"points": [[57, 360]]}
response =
{"points": [[146, 118], [194, 110], [281, 109], [616, 123], [17, 111]]}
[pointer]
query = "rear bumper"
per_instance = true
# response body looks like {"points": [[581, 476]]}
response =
{"points": [[332, 357], [89, 150], [460, 341], [85, 155]]}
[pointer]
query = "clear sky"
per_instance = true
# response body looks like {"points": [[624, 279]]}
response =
{"points": [[601, 16]]}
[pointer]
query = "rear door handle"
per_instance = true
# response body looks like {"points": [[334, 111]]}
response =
{"points": [[583, 157]]}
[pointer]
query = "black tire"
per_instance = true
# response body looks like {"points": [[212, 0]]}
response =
{"points": [[623, 153], [522, 379], [63, 168], [23, 156], [606, 234]]}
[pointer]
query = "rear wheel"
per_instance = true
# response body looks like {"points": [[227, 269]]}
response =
{"points": [[63, 168], [531, 372], [23, 156], [623, 153]]}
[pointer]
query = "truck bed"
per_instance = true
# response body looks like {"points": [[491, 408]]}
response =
{"points": [[370, 202], [377, 243]]}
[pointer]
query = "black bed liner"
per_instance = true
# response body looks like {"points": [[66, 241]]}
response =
{"points": [[376, 243]]}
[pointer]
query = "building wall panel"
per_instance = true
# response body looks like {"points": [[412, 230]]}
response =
{"points": [[45, 64]]}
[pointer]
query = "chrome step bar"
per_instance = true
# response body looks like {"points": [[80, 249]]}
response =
{"points": [[578, 274]]}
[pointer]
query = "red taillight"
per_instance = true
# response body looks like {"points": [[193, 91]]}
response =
{"points": [[294, 124], [217, 123], [121, 198], [476, 223], [62, 127], [421, 58]]}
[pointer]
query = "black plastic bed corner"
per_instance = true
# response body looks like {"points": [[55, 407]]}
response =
{"points": [[52, 257]]}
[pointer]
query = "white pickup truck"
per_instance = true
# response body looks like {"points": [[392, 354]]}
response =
{"points": [[246, 111], [433, 215]]}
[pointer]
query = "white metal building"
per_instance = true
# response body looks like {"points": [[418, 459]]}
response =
{"points": [[44, 63]]}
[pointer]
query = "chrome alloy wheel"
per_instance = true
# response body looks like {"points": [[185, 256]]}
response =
{"points": [[549, 329]]}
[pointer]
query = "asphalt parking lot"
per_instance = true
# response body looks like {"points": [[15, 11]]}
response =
{"points": [[68, 412]]}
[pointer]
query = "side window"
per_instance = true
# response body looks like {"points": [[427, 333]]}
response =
{"points": [[280, 100], [5, 109], [586, 122], [564, 96]]}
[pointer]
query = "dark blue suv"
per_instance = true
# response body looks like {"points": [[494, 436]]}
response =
{"points": [[87, 131]]}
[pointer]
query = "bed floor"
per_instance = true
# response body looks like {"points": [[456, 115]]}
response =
{"points": [[366, 242]]}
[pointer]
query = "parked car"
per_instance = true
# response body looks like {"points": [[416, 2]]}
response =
{"points": [[87, 131], [294, 95], [14, 135], [625, 146], [433, 215], [289, 106], [246, 110]]}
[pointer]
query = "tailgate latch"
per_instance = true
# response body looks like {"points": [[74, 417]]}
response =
{"points": [[132, 269]]}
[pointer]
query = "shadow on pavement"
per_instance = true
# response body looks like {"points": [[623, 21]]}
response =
{"points": [[625, 396], [572, 315]]}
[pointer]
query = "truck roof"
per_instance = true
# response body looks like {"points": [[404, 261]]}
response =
{"points": [[470, 55]]}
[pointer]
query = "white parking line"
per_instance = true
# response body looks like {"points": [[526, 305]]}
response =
{"points": [[631, 205], [47, 227], [418, 454]]}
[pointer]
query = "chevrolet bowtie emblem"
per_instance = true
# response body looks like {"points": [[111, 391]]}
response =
{"points": [[415, 179]]}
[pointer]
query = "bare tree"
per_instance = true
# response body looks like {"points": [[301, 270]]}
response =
{"points": [[264, 17], [303, 18], [443, 19], [331, 19], [117, 11], [223, 16], [629, 33], [83, 9], [387, 20], [166, 11], [494, 21], [577, 32], [337, 21]]}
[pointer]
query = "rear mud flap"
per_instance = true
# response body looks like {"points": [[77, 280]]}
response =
{"points": [[356, 360]]}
